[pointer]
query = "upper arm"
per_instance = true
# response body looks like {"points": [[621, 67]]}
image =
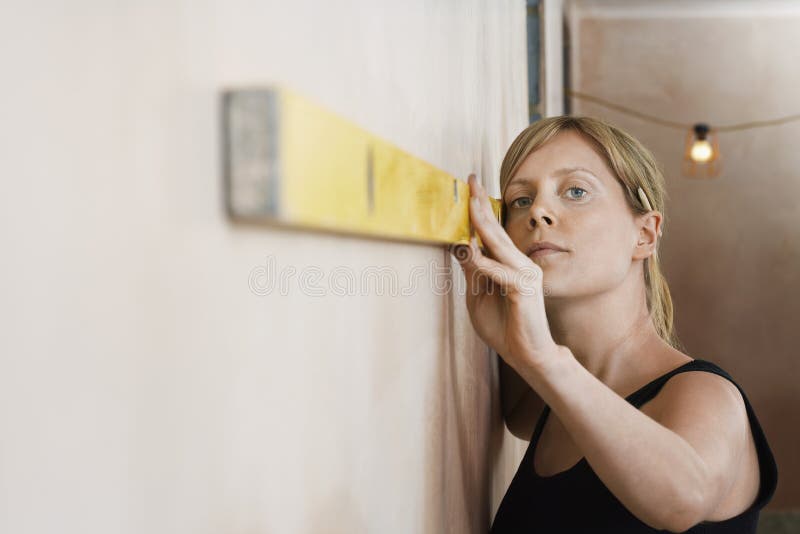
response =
{"points": [[707, 411], [512, 387], [520, 404], [522, 420]]}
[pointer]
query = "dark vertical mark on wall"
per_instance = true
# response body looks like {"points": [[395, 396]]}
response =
{"points": [[534, 58], [565, 63]]}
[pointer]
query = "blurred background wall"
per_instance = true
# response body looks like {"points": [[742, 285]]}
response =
{"points": [[731, 245], [145, 386]]}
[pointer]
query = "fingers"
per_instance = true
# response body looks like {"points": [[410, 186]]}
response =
{"points": [[465, 254], [497, 241], [476, 285], [481, 272], [503, 264], [479, 269]]}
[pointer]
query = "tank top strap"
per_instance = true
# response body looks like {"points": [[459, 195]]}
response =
{"points": [[651, 389]]}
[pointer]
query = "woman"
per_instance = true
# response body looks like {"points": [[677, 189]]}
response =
{"points": [[633, 434]]}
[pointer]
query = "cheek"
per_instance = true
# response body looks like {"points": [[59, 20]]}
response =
{"points": [[607, 230], [603, 248]]}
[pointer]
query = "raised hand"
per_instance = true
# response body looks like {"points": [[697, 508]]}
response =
{"points": [[505, 298]]}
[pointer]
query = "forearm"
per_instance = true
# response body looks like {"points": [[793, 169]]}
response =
{"points": [[647, 466]]}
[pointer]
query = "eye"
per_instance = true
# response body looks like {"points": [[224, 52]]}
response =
{"points": [[525, 202], [514, 204], [578, 189]]}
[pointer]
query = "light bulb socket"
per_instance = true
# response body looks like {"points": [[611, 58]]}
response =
{"points": [[701, 131]]}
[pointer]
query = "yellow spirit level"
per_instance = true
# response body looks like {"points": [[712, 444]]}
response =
{"points": [[290, 162]]}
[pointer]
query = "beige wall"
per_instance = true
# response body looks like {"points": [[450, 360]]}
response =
{"points": [[731, 246], [144, 386]]}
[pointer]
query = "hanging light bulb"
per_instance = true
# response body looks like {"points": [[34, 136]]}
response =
{"points": [[701, 151], [701, 158]]}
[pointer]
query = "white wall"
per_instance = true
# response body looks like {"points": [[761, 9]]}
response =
{"points": [[143, 386]]}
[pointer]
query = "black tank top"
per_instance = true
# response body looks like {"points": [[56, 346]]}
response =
{"points": [[576, 501]]}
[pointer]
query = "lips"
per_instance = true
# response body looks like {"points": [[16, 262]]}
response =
{"points": [[542, 248], [543, 252]]}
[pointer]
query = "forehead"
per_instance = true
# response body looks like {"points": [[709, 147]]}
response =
{"points": [[567, 153]]}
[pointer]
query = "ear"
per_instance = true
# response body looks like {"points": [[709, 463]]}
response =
{"points": [[648, 231]]}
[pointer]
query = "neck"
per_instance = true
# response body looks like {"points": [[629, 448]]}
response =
{"points": [[611, 333]]}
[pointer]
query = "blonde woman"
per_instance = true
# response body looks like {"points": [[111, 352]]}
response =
{"points": [[627, 433]]}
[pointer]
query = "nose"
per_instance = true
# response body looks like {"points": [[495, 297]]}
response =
{"points": [[540, 214]]}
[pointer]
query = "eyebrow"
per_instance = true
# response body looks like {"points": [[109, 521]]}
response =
{"points": [[562, 172]]}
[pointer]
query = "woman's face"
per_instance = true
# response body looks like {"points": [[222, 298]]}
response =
{"points": [[565, 193]]}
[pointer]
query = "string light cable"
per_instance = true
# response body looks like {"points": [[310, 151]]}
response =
{"points": [[701, 157]]}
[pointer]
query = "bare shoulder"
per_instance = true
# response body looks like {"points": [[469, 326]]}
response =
{"points": [[701, 392], [699, 404], [709, 412], [522, 421]]}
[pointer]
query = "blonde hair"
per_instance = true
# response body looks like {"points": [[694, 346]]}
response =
{"points": [[634, 166]]}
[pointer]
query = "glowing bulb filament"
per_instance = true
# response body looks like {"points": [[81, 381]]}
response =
{"points": [[701, 151]]}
